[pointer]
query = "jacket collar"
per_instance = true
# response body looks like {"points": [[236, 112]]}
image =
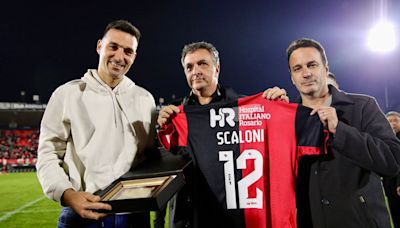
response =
{"points": [[343, 104], [339, 97]]}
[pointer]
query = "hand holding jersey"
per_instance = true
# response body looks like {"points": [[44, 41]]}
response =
{"points": [[328, 117], [275, 93], [165, 114]]}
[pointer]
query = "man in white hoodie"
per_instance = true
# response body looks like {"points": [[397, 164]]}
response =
{"points": [[92, 131]]}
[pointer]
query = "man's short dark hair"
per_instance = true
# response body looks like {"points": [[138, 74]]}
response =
{"points": [[125, 26], [190, 48], [304, 43]]}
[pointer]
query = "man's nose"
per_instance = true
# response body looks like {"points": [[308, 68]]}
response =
{"points": [[119, 54], [306, 72], [196, 70]]}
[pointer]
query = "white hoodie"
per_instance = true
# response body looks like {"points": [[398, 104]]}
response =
{"points": [[90, 134]]}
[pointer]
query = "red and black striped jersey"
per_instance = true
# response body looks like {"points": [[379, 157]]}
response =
{"points": [[246, 154]]}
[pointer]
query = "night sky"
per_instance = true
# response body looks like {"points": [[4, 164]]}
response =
{"points": [[47, 43]]}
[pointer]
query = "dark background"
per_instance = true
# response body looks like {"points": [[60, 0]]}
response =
{"points": [[47, 43]]}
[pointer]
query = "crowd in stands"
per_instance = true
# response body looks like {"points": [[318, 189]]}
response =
{"points": [[19, 144]]}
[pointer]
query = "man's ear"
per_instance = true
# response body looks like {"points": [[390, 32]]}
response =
{"points": [[134, 56], [98, 47], [217, 69]]}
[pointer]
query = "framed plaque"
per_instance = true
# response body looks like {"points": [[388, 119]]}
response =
{"points": [[147, 187]]}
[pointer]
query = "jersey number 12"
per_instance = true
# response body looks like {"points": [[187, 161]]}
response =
{"points": [[243, 184]]}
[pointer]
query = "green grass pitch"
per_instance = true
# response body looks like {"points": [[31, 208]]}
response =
{"points": [[23, 203]]}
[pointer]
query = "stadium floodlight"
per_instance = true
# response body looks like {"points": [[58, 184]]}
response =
{"points": [[382, 37]]}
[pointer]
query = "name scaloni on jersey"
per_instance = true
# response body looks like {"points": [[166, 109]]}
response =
{"points": [[236, 137]]}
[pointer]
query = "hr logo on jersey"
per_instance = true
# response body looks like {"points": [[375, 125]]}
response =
{"points": [[226, 115]]}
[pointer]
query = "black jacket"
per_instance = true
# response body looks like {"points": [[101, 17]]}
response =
{"points": [[343, 188]]}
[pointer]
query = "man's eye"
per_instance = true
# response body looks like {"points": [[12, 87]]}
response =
{"points": [[113, 47], [296, 69], [203, 65], [128, 52]]}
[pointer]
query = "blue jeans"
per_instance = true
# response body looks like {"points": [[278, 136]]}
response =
{"points": [[68, 218]]}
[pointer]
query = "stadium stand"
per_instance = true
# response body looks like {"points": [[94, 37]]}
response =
{"points": [[18, 149], [19, 134]]}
